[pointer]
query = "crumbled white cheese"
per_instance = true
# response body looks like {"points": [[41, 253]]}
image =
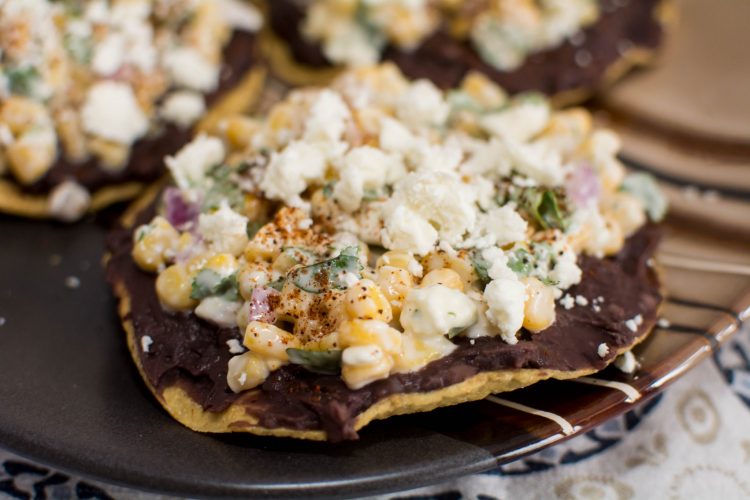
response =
{"points": [[422, 105], [146, 342], [225, 230], [518, 123], [109, 54], [363, 168], [183, 108], [190, 69], [73, 282], [581, 300], [241, 15], [218, 311], [664, 323], [538, 161], [505, 300], [191, 163], [328, 118], [406, 230], [439, 198], [626, 362], [568, 302], [289, 172], [631, 325], [235, 347], [602, 350], [436, 310], [69, 201], [499, 226], [498, 261], [112, 112], [566, 271]]}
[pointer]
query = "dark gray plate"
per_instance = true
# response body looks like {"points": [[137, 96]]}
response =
{"points": [[71, 398]]}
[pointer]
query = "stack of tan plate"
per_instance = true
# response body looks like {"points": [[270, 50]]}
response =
{"points": [[688, 119]]}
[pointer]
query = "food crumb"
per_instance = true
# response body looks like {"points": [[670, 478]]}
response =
{"points": [[146, 342], [235, 347], [664, 323], [567, 302], [581, 300], [602, 350], [72, 282], [626, 362]]}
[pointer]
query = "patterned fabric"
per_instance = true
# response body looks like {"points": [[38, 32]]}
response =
{"points": [[692, 442]]}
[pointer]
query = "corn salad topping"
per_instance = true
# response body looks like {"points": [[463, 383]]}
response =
{"points": [[504, 32], [85, 79], [358, 229]]}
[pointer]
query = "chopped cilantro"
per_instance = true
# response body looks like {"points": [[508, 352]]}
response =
{"points": [[277, 285], [208, 283], [544, 208], [21, 80], [323, 362], [644, 187], [481, 268], [520, 261], [253, 226], [329, 274], [223, 187]]}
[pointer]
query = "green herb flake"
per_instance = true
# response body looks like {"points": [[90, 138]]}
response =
{"points": [[481, 268], [208, 283], [644, 187], [223, 187], [277, 284], [520, 261], [252, 228], [544, 208], [323, 362], [22, 80], [329, 274], [455, 332]]}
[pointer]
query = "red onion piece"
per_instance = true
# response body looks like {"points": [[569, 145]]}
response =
{"points": [[180, 213], [261, 307], [583, 186]]}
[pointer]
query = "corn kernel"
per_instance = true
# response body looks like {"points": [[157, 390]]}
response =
{"points": [[222, 264], [483, 90], [447, 277], [269, 341], [21, 113], [365, 300], [154, 244], [402, 260], [615, 237], [442, 260], [362, 365], [173, 287], [239, 130], [395, 284], [113, 156], [246, 371], [417, 352], [363, 332], [30, 160], [627, 210], [539, 308], [250, 276]]}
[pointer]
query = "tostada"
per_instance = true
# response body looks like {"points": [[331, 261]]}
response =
{"points": [[380, 247], [565, 48], [94, 93]]}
